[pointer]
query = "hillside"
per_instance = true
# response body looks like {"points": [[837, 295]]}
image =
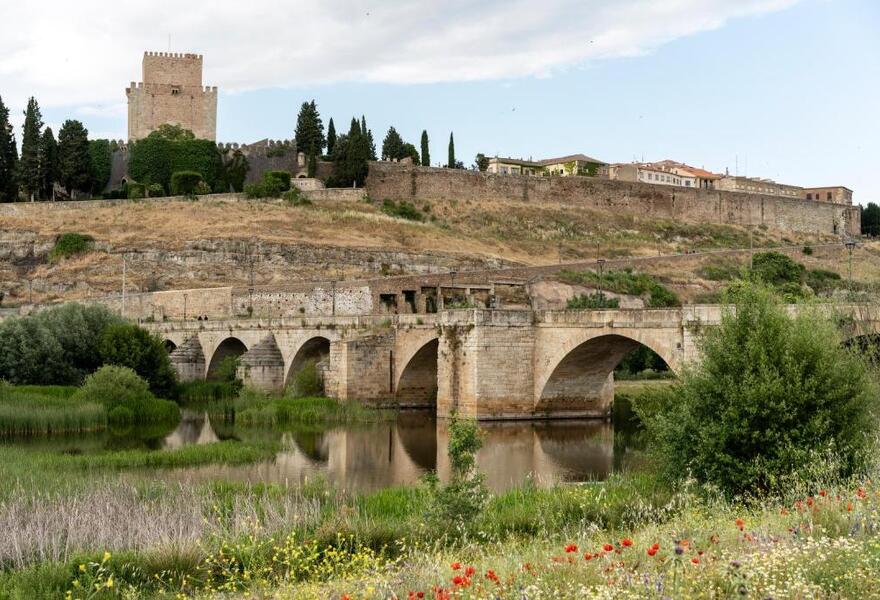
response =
{"points": [[206, 243]]}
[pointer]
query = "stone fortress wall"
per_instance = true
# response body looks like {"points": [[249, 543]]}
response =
{"points": [[402, 182]]}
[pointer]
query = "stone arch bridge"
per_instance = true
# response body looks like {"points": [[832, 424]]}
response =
{"points": [[488, 364]]}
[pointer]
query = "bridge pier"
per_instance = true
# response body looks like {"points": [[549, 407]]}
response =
{"points": [[188, 360], [262, 366]]}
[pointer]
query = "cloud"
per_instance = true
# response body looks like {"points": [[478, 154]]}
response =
{"points": [[84, 53]]}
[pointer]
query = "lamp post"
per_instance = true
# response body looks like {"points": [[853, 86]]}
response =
{"points": [[850, 244], [600, 262], [184, 306]]}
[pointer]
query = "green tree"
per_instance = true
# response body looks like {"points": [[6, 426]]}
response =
{"points": [[309, 133], [8, 158], [392, 145], [368, 133], [410, 151], [331, 137], [169, 149], [102, 158], [48, 164], [450, 163], [775, 401], [128, 345], [870, 218], [350, 157], [426, 156], [29, 165], [481, 162], [235, 170], [74, 157]]}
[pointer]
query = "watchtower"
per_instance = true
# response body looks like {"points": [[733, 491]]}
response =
{"points": [[171, 92]]}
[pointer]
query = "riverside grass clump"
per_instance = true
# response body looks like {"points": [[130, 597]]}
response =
{"points": [[125, 396], [253, 407], [46, 410], [776, 399]]}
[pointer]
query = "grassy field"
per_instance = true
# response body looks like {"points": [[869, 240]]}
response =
{"points": [[44, 410]]}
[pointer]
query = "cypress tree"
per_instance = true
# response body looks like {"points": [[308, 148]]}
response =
{"points": [[74, 158], [331, 137], [48, 164], [426, 157], [369, 135], [8, 158], [309, 133], [29, 166], [451, 162]]}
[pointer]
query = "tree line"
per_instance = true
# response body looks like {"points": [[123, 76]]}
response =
{"points": [[71, 161]]}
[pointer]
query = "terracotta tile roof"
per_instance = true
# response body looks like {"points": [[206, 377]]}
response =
{"points": [[571, 158]]}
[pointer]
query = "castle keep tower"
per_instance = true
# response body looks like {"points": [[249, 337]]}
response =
{"points": [[172, 92]]}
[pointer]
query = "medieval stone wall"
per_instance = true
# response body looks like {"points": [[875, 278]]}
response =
{"points": [[399, 182]]}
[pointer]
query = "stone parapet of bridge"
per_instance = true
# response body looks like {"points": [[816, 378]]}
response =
{"points": [[486, 364]]}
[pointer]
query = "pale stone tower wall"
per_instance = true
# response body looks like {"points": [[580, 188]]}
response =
{"points": [[172, 92]]}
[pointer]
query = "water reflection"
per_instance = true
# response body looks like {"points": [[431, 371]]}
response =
{"points": [[377, 455]]}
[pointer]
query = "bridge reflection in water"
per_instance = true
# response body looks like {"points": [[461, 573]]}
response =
{"points": [[368, 457]]}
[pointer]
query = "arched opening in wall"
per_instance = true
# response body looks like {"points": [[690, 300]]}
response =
{"points": [[642, 364], [417, 386], [225, 360], [309, 367], [582, 383], [170, 346]]}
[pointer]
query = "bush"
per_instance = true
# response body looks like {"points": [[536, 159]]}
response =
{"points": [[282, 178], [136, 191], [55, 346], [403, 210], [456, 505], [155, 190], [185, 183], [821, 280], [71, 244], [121, 388], [625, 282], [296, 198], [130, 346], [776, 268], [808, 250], [308, 381], [592, 301], [775, 400]]}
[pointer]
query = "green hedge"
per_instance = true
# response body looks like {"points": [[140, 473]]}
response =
{"points": [[282, 177], [71, 244], [185, 183]]}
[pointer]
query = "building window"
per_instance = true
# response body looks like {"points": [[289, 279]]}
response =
{"points": [[809, 196], [175, 91], [829, 195]]}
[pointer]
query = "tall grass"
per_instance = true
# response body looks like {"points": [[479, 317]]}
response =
{"points": [[256, 408], [45, 410]]}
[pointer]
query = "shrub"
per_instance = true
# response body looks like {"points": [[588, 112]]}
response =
{"points": [[295, 197], [594, 301], [720, 271], [120, 387], [185, 183], [776, 268], [308, 381], [282, 178], [625, 282], [136, 191], [456, 505], [403, 210], [131, 346], [808, 250], [821, 280], [71, 244], [54, 346], [772, 399], [155, 190]]}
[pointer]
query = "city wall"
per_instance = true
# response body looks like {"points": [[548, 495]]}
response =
{"points": [[400, 182]]}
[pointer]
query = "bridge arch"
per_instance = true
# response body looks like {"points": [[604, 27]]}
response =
{"points": [[230, 346], [170, 346], [578, 377], [315, 349], [416, 385]]}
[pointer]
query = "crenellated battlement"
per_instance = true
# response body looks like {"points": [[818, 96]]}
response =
{"points": [[180, 55]]}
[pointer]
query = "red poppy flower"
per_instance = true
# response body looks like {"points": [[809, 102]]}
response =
{"points": [[861, 493], [455, 566], [458, 580], [608, 547], [345, 597], [627, 542], [822, 493], [588, 556], [492, 576], [652, 551], [469, 571], [849, 507], [571, 548], [695, 560], [810, 501], [740, 523]]}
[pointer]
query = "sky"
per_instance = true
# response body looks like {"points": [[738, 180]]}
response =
{"points": [[785, 89]]}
